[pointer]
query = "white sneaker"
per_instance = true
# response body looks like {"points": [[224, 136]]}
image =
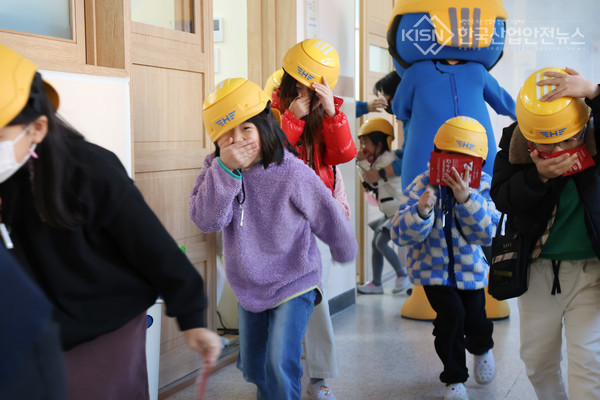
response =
{"points": [[321, 391], [401, 284], [456, 391], [369, 288], [484, 367]]}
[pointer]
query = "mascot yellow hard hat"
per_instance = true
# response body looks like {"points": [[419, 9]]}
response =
{"points": [[463, 135], [548, 121], [378, 125], [274, 81], [16, 76], [463, 23], [311, 60], [231, 103]]}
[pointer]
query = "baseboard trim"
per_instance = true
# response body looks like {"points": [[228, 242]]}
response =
{"points": [[342, 301]]}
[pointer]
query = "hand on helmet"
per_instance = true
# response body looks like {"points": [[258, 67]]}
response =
{"points": [[572, 85], [325, 96]]}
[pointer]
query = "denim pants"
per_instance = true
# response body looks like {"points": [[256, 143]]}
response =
{"points": [[271, 347]]}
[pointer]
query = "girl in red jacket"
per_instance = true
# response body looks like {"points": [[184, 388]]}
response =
{"points": [[310, 113]]}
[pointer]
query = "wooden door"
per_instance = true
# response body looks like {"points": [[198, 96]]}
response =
{"points": [[171, 73]]}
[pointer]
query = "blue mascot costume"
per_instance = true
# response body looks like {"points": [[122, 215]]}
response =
{"points": [[443, 50]]}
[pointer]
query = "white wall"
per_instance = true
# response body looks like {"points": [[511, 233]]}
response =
{"points": [[98, 107], [335, 24], [231, 55], [541, 34]]}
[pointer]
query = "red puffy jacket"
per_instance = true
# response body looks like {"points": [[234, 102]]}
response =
{"points": [[339, 145]]}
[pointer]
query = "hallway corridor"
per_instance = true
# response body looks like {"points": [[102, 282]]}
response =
{"points": [[385, 357]]}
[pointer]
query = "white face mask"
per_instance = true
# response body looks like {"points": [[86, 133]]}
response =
{"points": [[8, 161]]}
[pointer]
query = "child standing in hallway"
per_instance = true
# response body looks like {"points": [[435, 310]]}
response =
{"points": [[445, 227], [249, 189], [319, 131], [375, 137]]}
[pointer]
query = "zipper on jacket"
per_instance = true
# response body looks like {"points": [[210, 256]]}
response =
{"points": [[454, 93]]}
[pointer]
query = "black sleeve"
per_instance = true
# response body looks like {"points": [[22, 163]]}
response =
{"points": [[117, 210], [152, 251]]}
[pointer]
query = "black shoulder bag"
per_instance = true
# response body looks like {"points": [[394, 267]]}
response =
{"points": [[509, 267]]}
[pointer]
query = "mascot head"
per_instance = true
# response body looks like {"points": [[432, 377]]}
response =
{"points": [[468, 30]]}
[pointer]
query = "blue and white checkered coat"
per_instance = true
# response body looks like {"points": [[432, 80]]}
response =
{"points": [[428, 252]]}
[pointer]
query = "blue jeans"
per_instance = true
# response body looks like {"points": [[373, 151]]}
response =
{"points": [[271, 347]]}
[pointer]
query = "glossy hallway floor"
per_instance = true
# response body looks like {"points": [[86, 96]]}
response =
{"points": [[383, 356]]}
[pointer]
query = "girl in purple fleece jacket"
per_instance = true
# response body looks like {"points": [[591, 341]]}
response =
{"points": [[269, 205]]}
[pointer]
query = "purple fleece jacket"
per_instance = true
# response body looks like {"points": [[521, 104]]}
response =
{"points": [[273, 255]]}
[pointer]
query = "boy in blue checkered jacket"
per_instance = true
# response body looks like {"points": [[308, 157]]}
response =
{"points": [[445, 227]]}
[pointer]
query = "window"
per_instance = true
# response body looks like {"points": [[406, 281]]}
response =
{"points": [[48, 17], [169, 14]]}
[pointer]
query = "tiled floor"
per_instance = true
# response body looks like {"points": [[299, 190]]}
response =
{"points": [[383, 356]]}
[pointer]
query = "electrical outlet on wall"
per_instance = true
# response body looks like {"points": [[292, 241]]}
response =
{"points": [[218, 29]]}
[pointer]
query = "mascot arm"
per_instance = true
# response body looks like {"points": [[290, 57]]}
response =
{"points": [[403, 98], [498, 98]]}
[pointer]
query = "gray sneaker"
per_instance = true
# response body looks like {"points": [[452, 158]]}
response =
{"points": [[401, 284], [369, 288]]}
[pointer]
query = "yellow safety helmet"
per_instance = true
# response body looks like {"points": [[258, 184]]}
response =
{"points": [[548, 121], [274, 81], [476, 18], [463, 135], [16, 76], [378, 125], [311, 60], [232, 102]]}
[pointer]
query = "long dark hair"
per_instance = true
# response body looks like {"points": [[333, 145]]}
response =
{"points": [[314, 119], [273, 140], [51, 174], [379, 137]]}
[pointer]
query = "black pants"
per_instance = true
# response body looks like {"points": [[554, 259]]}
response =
{"points": [[460, 324], [42, 374]]}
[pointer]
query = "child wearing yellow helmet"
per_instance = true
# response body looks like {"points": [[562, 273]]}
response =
{"points": [[314, 124], [83, 231], [249, 189], [445, 227], [320, 359], [546, 180], [375, 138], [310, 113]]}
